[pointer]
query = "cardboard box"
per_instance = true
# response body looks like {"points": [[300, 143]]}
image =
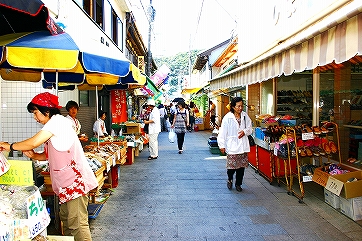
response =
{"points": [[352, 207], [349, 189], [201, 127], [133, 128], [331, 199], [59, 238], [322, 177]]}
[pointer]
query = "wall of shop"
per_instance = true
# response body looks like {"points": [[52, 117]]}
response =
{"points": [[16, 122]]}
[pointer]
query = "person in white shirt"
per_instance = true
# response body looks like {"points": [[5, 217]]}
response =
{"points": [[72, 107], [163, 119], [99, 127], [154, 129], [233, 140]]}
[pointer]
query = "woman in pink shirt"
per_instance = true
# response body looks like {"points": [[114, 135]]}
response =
{"points": [[72, 178]]}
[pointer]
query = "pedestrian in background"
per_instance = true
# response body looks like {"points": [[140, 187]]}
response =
{"points": [[212, 112], [163, 117], [99, 127], [172, 112], [72, 178], [232, 140], [193, 110], [154, 128], [72, 107], [180, 123]]}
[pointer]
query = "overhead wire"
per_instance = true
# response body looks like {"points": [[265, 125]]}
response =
{"points": [[198, 20]]}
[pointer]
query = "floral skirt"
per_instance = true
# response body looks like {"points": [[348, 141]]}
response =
{"points": [[236, 161]]}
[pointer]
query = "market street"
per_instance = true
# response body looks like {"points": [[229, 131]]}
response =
{"points": [[184, 197]]}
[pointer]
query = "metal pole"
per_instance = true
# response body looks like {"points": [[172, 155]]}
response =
{"points": [[151, 13]]}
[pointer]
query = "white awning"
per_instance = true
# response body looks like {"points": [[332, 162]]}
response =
{"points": [[336, 40]]}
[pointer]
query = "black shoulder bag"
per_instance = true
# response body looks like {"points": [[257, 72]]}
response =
{"points": [[250, 137]]}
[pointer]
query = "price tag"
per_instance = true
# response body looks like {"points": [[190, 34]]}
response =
{"points": [[38, 216], [20, 173], [307, 178], [307, 136], [335, 186]]}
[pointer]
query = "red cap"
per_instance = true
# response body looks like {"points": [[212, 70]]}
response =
{"points": [[46, 99]]}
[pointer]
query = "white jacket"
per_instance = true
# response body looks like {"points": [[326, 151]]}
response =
{"points": [[155, 126], [228, 134]]}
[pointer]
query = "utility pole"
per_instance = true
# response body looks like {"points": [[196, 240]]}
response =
{"points": [[151, 18]]}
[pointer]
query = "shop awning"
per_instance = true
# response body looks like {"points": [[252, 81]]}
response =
{"points": [[190, 90], [326, 41], [149, 89], [229, 68]]}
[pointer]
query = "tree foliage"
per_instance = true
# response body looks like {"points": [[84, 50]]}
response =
{"points": [[179, 65]]}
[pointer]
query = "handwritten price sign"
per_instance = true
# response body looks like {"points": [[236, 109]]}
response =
{"points": [[38, 216], [20, 173]]}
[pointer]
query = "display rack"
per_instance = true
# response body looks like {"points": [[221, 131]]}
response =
{"points": [[288, 161], [315, 160]]}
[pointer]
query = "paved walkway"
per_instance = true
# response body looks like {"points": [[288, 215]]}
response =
{"points": [[184, 197]]}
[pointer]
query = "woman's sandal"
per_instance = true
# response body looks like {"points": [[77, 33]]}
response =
{"points": [[230, 185], [152, 158]]}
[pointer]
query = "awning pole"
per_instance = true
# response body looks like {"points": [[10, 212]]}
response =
{"points": [[97, 116], [56, 83]]}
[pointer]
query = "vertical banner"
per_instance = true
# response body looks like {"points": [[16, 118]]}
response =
{"points": [[119, 106], [141, 64]]}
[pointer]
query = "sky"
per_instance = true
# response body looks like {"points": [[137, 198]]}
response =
{"points": [[182, 25]]}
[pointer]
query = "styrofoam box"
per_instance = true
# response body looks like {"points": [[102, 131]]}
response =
{"points": [[352, 207], [331, 199]]}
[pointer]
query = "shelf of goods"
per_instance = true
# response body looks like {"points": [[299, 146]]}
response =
{"points": [[295, 153], [304, 150], [295, 102]]}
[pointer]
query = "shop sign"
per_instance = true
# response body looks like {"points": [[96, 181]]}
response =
{"points": [[119, 106], [4, 164], [37, 214], [20, 173]]}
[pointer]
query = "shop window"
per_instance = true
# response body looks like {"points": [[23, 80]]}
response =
{"points": [[326, 96], [294, 97], [99, 13], [84, 98], [94, 8], [114, 27], [120, 34]]}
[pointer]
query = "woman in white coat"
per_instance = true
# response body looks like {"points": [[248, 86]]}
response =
{"points": [[232, 140]]}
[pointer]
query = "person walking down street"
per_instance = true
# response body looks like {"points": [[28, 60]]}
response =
{"points": [[163, 117], [193, 111], [180, 123], [172, 112], [72, 107], [232, 140], [99, 127], [212, 112], [72, 178], [154, 128]]}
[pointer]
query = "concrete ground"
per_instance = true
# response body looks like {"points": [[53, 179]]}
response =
{"points": [[184, 197]]}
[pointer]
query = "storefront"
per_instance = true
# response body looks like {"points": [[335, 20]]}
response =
{"points": [[309, 78]]}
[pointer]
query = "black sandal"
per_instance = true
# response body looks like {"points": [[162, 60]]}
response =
{"points": [[230, 185], [152, 158]]}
